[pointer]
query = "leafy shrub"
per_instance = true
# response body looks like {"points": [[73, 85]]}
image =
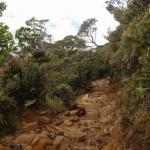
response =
{"points": [[83, 73], [6, 43], [63, 92], [40, 57], [26, 82], [136, 105], [8, 112], [34, 80], [55, 104]]}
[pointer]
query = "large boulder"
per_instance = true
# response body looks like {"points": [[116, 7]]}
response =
{"points": [[67, 123], [32, 126], [41, 143], [44, 120], [57, 141], [24, 139], [55, 129]]}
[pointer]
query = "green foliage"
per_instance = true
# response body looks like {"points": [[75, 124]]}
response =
{"points": [[129, 48], [59, 88], [44, 73], [6, 39], [70, 43], [2, 7], [55, 104], [136, 105], [135, 39], [132, 44], [6, 43], [29, 103], [124, 11], [114, 39], [83, 73], [64, 92], [88, 30], [32, 38], [40, 57], [138, 86], [26, 82], [8, 112]]}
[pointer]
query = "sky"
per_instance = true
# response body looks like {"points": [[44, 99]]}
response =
{"points": [[65, 16]]}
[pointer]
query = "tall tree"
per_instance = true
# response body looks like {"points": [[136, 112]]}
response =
{"points": [[33, 37], [125, 10], [2, 8], [118, 3], [88, 30], [6, 39], [71, 43]]}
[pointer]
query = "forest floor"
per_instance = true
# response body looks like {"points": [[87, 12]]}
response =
{"points": [[89, 127]]}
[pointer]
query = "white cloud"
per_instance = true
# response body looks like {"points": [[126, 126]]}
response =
{"points": [[65, 15]]}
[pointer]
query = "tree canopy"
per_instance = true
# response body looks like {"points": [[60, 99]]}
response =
{"points": [[6, 38], [88, 30], [33, 37]]}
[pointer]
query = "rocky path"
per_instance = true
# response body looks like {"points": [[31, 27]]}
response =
{"points": [[87, 128]]}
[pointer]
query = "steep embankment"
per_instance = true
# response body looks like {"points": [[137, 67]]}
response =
{"points": [[73, 130]]}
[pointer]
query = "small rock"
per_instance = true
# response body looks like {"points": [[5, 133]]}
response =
{"points": [[35, 140], [43, 113], [57, 130], [74, 133], [67, 123], [74, 119], [83, 123], [31, 126], [51, 135], [73, 112], [24, 139], [58, 122], [92, 141], [67, 113], [58, 140], [44, 134], [42, 143], [1, 147], [28, 148], [79, 112], [44, 120]]}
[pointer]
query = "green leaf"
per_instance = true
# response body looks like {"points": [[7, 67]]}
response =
{"points": [[29, 103]]}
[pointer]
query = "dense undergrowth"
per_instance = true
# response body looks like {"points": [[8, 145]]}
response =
{"points": [[130, 61], [38, 72]]}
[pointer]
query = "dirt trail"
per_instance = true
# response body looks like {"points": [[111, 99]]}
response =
{"points": [[72, 130], [101, 113]]}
